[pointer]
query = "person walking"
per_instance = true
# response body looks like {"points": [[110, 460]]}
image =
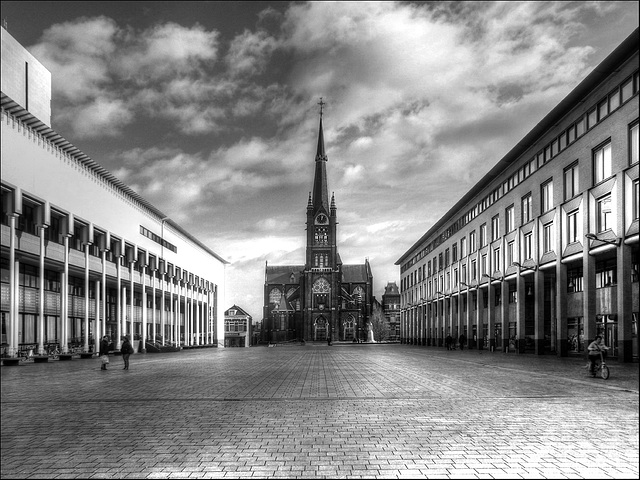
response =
{"points": [[104, 352], [448, 342], [126, 349], [462, 339]]}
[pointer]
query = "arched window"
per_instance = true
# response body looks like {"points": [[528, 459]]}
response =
{"points": [[275, 295]]}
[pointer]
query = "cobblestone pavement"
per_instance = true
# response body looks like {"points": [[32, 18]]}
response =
{"points": [[346, 411]]}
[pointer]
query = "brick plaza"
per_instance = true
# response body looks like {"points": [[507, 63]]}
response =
{"points": [[345, 411]]}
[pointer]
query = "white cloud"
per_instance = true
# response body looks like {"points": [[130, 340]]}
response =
{"points": [[249, 53]]}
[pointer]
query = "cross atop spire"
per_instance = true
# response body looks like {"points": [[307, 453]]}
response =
{"points": [[322, 104]]}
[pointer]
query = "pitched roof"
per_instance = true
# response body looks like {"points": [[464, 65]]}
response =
{"points": [[281, 274], [240, 311], [355, 273]]}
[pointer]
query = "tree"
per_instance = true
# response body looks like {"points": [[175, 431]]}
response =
{"points": [[379, 324]]}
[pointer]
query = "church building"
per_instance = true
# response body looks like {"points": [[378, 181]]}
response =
{"points": [[323, 299]]}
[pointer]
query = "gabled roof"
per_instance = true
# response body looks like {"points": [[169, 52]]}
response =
{"points": [[240, 311]]}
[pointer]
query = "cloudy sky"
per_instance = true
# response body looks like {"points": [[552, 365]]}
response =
{"points": [[209, 109]]}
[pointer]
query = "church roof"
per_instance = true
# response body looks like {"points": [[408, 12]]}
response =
{"points": [[281, 274], [355, 273]]}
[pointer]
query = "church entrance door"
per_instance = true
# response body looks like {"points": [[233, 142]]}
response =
{"points": [[320, 329]]}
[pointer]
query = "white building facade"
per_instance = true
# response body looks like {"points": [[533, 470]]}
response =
{"points": [[82, 254]]}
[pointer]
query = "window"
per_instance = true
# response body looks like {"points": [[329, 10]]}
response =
{"points": [[546, 196], [509, 219], [526, 208], [636, 200], [472, 241], [592, 118], [602, 163], [633, 145], [463, 247], [572, 227], [606, 273], [574, 280], [571, 186], [580, 127], [547, 237], [527, 246], [603, 109], [275, 295], [454, 252], [463, 274], [495, 228], [510, 250], [605, 218], [627, 90], [614, 99], [483, 265], [483, 235], [513, 293], [474, 269], [496, 259]]}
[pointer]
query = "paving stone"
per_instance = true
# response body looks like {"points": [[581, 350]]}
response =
{"points": [[364, 411]]}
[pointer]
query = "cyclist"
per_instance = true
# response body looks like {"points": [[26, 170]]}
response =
{"points": [[594, 349]]}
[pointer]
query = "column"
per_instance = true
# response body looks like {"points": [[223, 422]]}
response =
{"points": [[123, 316], [85, 346], [491, 313], [103, 284], [172, 318], [41, 293], [143, 302], [504, 307], [13, 289], [64, 305], [119, 299], [130, 329], [98, 331], [625, 303], [154, 317], [520, 312], [198, 319]]}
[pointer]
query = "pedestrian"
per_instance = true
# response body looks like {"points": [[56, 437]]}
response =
{"points": [[448, 342], [104, 352], [595, 349], [462, 340], [126, 349]]}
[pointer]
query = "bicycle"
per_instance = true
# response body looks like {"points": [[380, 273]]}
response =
{"points": [[599, 367], [54, 352]]}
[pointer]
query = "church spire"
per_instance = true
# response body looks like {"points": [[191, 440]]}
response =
{"points": [[320, 188]]}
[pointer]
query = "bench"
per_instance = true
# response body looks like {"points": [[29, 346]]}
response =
{"points": [[86, 355], [11, 361], [41, 358], [65, 356]]}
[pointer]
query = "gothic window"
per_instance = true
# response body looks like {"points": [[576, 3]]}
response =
{"points": [[275, 295], [321, 236], [321, 286]]}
